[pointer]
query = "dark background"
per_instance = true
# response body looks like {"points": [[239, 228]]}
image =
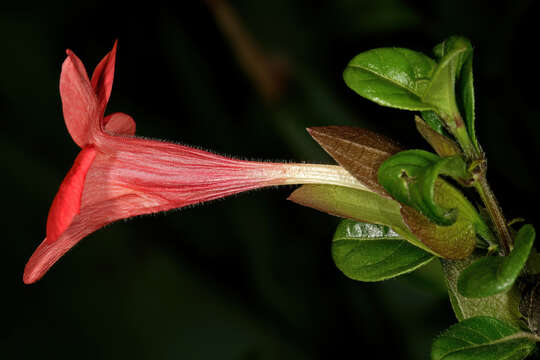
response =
{"points": [[250, 277]]}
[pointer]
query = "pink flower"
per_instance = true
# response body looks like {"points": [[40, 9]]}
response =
{"points": [[117, 175]]}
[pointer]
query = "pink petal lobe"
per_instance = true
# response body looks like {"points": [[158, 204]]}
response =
{"points": [[67, 202], [119, 124], [102, 78], [79, 102]]}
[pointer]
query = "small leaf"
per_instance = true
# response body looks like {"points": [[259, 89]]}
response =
{"points": [[495, 274], [409, 177], [503, 306], [393, 77], [440, 92], [433, 120], [355, 204], [357, 150], [368, 252], [443, 145], [482, 338], [466, 97]]}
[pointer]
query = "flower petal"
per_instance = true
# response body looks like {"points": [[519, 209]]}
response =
{"points": [[91, 218], [119, 124], [67, 202], [102, 78], [79, 102]]}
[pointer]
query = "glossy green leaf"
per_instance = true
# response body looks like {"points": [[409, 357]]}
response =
{"points": [[363, 206], [440, 92], [393, 77], [495, 274], [482, 338], [369, 252], [359, 151], [409, 177], [443, 145]]}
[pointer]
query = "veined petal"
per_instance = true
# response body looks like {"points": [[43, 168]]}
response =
{"points": [[102, 78], [130, 176], [67, 202], [119, 124], [79, 102], [91, 218]]}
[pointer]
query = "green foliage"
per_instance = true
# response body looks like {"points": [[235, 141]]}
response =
{"points": [[433, 120], [368, 252], [393, 77], [503, 306], [451, 55], [495, 274], [405, 79], [363, 206], [456, 241], [409, 177], [443, 145], [466, 99], [482, 338]]}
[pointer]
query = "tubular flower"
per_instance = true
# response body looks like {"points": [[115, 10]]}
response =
{"points": [[117, 175]]}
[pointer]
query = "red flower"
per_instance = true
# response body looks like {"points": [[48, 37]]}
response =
{"points": [[117, 175]]}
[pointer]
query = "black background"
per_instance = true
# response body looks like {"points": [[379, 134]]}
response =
{"points": [[250, 277]]}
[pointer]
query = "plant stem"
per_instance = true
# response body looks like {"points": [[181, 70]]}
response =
{"points": [[266, 74], [495, 213], [462, 136]]}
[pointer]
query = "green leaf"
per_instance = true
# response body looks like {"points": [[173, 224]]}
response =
{"points": [[443, 145], [456, 241], [357, 150], [466, 97], [409, 177], [440, 93], [363, 206], [433, 120], [368, 252], [495, 274], [393, 77], [503, 306], [482, 338]]}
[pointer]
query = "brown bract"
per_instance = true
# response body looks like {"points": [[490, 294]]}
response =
{"points": [[443, 145], [359, 151]]}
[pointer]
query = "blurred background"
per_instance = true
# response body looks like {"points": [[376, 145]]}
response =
{"points": [[250, 277]]}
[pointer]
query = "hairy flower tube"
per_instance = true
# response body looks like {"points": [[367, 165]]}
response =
{"points": [[117, 175]]}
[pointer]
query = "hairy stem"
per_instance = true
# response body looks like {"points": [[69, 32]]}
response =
{"points": [[495, 213]]}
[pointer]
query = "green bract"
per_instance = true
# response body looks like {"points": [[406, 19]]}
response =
{"points": [[368, 252], [363, 206], [495, 274], [409, 177], [482, 338], [443, 145]]}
